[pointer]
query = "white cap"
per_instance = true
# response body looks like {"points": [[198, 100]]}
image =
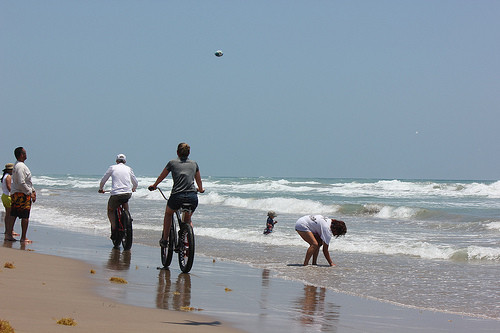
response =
{"points": [[121, 157]]}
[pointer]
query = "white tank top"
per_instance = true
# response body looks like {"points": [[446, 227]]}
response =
{"points": [[5, 190]]}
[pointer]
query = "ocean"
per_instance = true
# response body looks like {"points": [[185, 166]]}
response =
{"points": [[426, 244]]}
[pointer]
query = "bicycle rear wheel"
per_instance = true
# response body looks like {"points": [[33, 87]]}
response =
{"points": [[186, 247], [168, 252], [127, 230]]}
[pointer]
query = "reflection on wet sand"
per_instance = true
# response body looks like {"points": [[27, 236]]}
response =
{"points": [[118, 260], [264, 293], [173, 296], [315, 313]]}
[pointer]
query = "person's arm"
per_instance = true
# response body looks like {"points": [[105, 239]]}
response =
{"points": [[21, 176], [160, 178], [197, 177], [135, 183], [105, 179], [8, 182], [327, 254]]}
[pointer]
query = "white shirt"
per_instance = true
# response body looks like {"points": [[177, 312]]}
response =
{"points": [[317, 224], [122, 179], [21, 179], [5, 189]]}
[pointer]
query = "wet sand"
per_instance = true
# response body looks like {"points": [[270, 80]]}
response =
{"points": [[216, 295]]}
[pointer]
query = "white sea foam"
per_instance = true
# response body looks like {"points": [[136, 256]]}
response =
{"points": [[483, 253], [70, 181], [350, 188], [493, 226], [53, 217], [388, 212], [281, 205]]}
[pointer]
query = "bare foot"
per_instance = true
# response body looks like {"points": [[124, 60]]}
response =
{"points": [[15, 234], [10, 239], [26, 241]]}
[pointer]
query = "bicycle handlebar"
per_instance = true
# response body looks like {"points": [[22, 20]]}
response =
{"points": [[163, 195]]}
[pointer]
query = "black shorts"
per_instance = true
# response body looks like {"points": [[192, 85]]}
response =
{"points": [[176, 200]]}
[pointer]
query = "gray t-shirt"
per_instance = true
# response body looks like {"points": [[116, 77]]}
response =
{"points": [[183, 172]]}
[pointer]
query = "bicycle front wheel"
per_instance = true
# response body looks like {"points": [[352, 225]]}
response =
{"points": [[127, 230], [186, 247]]}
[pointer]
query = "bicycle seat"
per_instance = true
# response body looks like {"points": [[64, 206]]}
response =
{"points": [[186, 207]]}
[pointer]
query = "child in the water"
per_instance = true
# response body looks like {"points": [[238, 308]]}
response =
{"points": [[270, 222]]}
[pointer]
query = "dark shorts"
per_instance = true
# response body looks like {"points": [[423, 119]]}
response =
{"points": [[118, 199], [176, 200], [21, 205]]}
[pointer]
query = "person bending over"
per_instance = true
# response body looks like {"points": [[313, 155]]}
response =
{"points": [[317, 231]]}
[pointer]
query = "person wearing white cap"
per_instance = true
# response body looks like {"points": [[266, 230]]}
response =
{"points": [[123, 183]]}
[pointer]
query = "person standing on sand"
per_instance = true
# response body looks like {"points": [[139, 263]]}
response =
{"points": [[6, 186], [22, 195], [317, 230]]}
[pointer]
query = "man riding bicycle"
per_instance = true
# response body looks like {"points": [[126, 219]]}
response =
{"points": [[184, 173], [123, 183]]}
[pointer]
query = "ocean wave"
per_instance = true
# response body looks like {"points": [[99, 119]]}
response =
{"points": [[325, 187], [55, 218], [280, 205], [493, 225], [249, 235], [363, 245], [69, 182]]}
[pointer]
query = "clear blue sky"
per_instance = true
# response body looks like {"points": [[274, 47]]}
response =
{"points": [[368, 89]]}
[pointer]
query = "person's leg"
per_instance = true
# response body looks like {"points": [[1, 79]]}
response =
{"points": [[15, 209], [6, 220], [24, 230], [9, 227], [187, 218], [112, 205], [313, 244], [316, 252], [6, 204], [167, 222], [111, 217]]}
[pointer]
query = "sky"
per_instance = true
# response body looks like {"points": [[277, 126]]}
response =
{"points": [[339, 89]]}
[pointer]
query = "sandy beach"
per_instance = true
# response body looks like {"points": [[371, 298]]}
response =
{"points": [[40, 289], [47, 284]]}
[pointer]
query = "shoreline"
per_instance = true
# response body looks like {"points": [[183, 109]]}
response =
{"points": [[238, 296], [36, 293]]}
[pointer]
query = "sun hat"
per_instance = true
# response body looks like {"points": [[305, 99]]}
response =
{"points": [[8, 166], [121, 157], [271, 213]]}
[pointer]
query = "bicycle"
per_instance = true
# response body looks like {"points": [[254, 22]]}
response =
{"points": [[181, 242], [122, 233], [123, 228]]}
